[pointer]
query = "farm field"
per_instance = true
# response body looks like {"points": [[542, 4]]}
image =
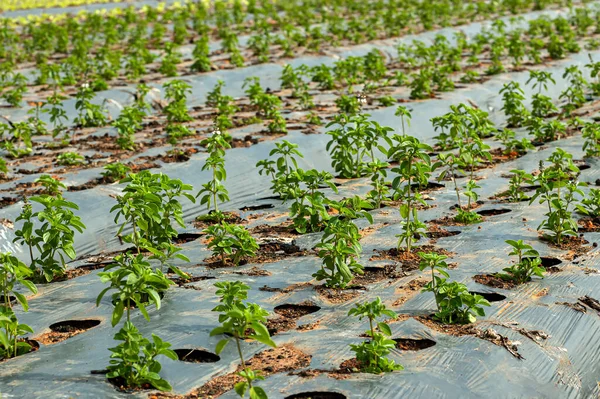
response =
{"points": [[319, 199]]}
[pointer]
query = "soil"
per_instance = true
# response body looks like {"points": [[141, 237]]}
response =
{"points": [[288, 314], [283, 230], [409, 290], [409, 260], [588, 225], [575, 245], [491, 280], [271, 361], [267, 253], [230, 217], [336, 295]]}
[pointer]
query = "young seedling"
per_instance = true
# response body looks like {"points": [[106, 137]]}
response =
{"points": [[13, 272], [517, 180], [214, 191], [230, 242], [414, 168], [371, 355], [340, 248], [528, 263], [242, 321], [134, 360], [455, 304]]}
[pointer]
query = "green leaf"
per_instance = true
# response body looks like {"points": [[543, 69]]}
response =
{"points": [[221, 345], [258, 393]]}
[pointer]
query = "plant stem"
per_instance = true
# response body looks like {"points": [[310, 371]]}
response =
{"points": [[239, 348]]}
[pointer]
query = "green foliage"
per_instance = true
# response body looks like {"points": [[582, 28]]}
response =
{"points": [[280, 168], [115, 171], [518, 179], [135, 283], [528, 264], [51, 232], [591, 135], [230, 242], [558, 190], [13, 272], [176, 92], [514, 109], [89, 114], [455, 304], [149, 205], [242, 321], [308, 210], [214, 191], [354, 142], [414, 169], [69, 159], [134, 360], [371, 354]]}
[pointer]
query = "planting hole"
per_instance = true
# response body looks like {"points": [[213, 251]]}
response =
{"points": [[257, 207], [69, 326], [493, 212], [196, 356], [549, 261], [182, 238], [490, 296], [430, 186], [410, 344], [295, 311], [317, 395]]}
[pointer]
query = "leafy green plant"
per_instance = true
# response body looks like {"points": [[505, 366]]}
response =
{"points": [[135, 283], [542, 105], [591, 135], [149, 206], [280, 168], [455, 304], [558, 191], [590, 205], [308, 211], [513, 107], [517, 180], [13, 272], [69, 159], [51, 232], [89, 114], [414, 169], [371, 354], [230, 242], [176, 92], [339, 247], [528, 264], [214, 191], [134, 360], [242, 321], [115, 171], [353, 144]]}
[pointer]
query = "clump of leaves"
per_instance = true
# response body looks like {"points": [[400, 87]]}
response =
{"points": [[230, 242], [69, 159], [242, 321], [517, 180], [115, 171], [134, 360], [455, 304], [528, 263], [372, 354], [13, 272]]}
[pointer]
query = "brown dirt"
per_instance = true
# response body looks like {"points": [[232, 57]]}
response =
{"points": [[280, 230], [409, 290], [53, 337], [230, 217], [491, 280], [271, 361], [376, 274], [409, 260], [286, 317], [267, 253], [588, 225], [575, 245], [335, 295]]}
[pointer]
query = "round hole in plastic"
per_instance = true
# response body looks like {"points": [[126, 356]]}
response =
{"points": [[196, 356], [316, 395], [257, 207], [548, 261], [182, 238], [74, 325], [412, 344], [493, 212], [295, 310], [490, 296]]}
